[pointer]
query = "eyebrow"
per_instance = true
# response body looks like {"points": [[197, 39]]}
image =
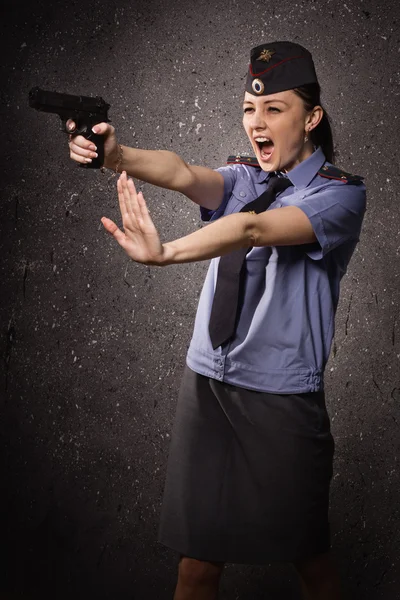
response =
{"points": [[267, 101]]}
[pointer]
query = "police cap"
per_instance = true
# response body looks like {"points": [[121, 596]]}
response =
{"points": [[279, 66]]}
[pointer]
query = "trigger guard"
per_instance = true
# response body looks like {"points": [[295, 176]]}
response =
{"points": [[80, 131]]}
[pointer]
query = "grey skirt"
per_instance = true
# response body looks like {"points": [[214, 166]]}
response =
{"points": [[248, 474]]}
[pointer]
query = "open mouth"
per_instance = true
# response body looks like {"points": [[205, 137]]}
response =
{"points": [[265, 146]]}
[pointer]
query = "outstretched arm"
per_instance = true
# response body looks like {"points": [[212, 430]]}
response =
{"points": [[158, 167], [140, 240]]}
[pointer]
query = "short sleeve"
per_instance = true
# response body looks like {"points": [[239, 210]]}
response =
{"points": [[230, 175], [336, 214]]}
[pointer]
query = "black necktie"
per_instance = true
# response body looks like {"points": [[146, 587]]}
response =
{"points": [[225, 304]]}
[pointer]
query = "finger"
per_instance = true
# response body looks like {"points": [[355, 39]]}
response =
{"points": [[80, 145], [144, 211], [121, 197], [114, 230], [141, 210], [130, 197], [139, 205], [82, 155], [79, 159], [71, 125], [128, 215]]}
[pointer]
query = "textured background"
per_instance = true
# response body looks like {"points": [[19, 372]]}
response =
{"points": [[93, 346]]}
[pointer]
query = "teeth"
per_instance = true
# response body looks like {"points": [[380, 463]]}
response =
{"points": [[262, 139]]}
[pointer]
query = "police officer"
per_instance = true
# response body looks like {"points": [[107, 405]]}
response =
{"points": [[251, 453]]}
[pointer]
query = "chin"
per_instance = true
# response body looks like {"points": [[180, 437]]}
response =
{"points": [[267, 167]]}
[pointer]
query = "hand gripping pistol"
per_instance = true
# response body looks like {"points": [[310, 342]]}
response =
{"points": [[85, 111]]}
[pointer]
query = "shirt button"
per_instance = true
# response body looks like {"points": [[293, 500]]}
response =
{"points": [[242, 194]]}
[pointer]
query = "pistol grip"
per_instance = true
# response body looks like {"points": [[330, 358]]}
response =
{"points": [[98, 141]]}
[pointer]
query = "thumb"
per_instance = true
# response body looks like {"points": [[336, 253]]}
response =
{"points": [[101, 128], [114, 230]]}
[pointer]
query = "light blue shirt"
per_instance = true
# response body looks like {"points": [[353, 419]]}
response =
{"points": [[286, 325]]}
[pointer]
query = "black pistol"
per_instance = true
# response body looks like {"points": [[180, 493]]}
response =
{"points": [[85, 111]]}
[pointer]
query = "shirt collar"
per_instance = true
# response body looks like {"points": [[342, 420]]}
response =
{"points": [[303, 173]]}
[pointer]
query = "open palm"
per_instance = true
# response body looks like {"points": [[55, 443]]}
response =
{"points": [[140, 238]]}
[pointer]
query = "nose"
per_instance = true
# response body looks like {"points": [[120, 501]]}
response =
{"points": [[257, 120]]}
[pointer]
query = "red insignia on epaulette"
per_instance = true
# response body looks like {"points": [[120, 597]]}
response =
{"points": [[331, 172], [241, 159]]}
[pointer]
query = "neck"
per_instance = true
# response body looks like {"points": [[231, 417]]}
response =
{"points": [[306, 152]]}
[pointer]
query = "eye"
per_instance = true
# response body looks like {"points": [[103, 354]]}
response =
{"points": [[273, 109], [248, 109]]}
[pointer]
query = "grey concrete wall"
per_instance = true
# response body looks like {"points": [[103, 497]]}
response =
{"points": [[93, 346]]}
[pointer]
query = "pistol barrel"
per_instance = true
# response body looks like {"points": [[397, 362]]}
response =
{"points": [[60, 103]]}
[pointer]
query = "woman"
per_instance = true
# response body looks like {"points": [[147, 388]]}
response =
{"points": [[251, 455]]}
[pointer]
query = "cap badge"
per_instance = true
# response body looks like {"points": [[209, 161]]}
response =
{"points": [[257, 86], [266, 55]]}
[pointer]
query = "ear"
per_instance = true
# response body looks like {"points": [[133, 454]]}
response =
{"points": [[314, 117]]}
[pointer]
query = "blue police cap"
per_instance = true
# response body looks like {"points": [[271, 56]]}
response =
{"points": [[279, 66]]}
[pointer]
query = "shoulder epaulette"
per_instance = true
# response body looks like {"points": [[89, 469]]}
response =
{"points": [[332, 172], [242, 159]]}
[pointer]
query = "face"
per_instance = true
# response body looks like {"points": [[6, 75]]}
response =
{"points": [[276, 126]]}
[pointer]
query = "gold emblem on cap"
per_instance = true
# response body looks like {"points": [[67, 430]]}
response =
{"points": [[266, 55], [257, 86]]}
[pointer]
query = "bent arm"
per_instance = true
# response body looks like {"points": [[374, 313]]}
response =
{"points": [[277, 227], [168, 170]]}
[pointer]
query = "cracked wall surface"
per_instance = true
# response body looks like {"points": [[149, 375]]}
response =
{"points": [[93, 345]]}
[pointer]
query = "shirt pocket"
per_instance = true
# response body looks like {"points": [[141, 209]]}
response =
{"points": [[241, 195], [234, 205]]}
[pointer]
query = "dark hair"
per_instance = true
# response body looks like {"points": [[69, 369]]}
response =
{"points": [[322, 134]]}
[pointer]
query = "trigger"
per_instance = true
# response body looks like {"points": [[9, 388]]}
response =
{"points": [[78, 130], [81, 130]]}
